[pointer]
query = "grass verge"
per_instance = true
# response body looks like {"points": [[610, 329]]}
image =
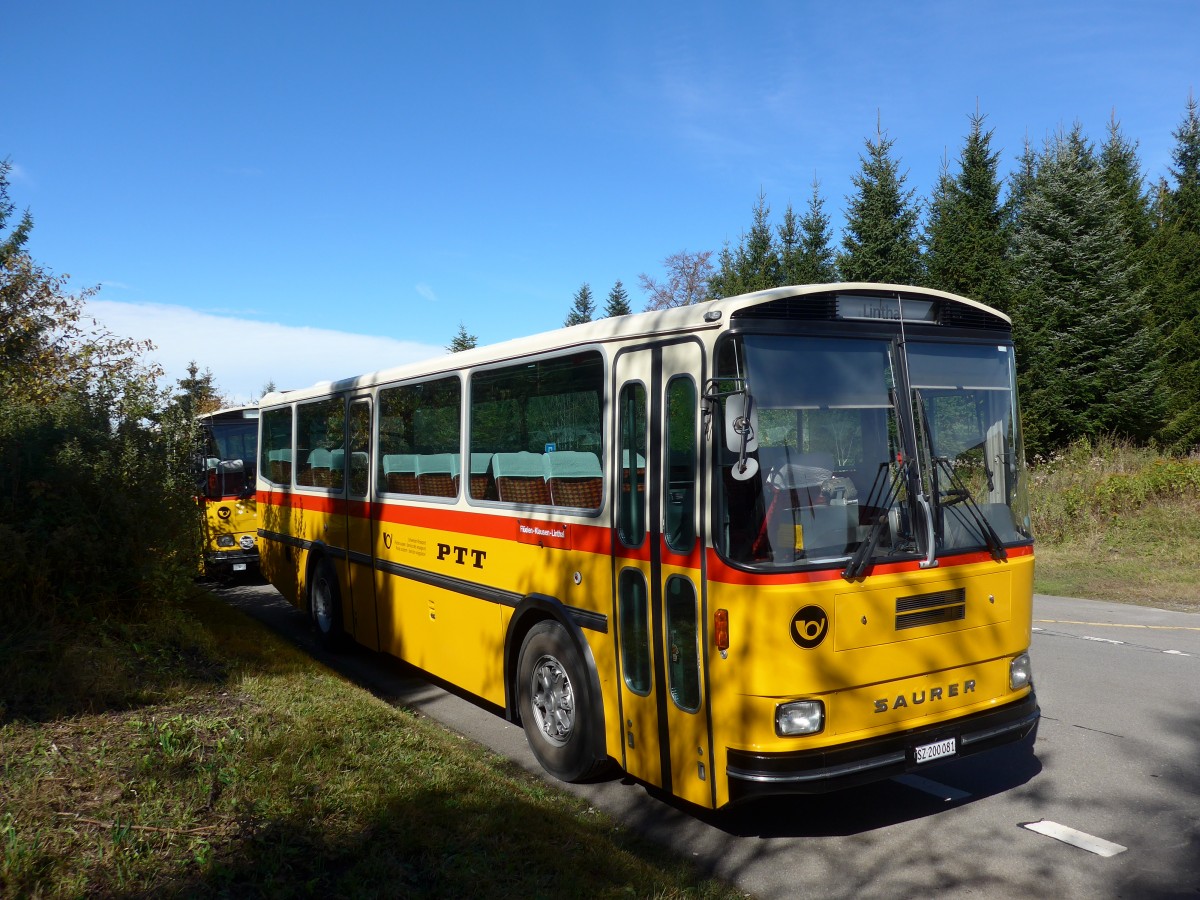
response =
{"points": [[253, 770], [1118, 522]]}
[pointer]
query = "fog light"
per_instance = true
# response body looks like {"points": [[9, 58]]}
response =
{"points": [[225, 540], [1020, 672], [247, 542], [799, 717]]}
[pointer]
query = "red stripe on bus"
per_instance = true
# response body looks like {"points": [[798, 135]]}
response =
{"points": [[722, 572]]}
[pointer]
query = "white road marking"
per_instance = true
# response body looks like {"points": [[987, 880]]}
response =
{"points": [[1101, 640], [1080, 839], [941, 791]]}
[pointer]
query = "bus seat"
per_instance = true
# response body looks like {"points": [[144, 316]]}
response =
{"points": [[318, 468], [231, 476], [479, 480], [337, 467], [279, 466], [521, 477], [437, 474], [400, 473], [574, 478]]}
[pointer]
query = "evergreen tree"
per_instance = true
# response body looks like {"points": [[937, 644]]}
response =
{"points": [[966, 239], [462, 340], [1174, 258], [198, 393], [582, 307], [880, 240], [754, 265], [789, 247], [1123, 175], [12, 244], [816, 264], [618, 302], [1082, 343]]}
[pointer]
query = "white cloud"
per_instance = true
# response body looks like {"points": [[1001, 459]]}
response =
{"points": [[427, 292], [244, 354]]}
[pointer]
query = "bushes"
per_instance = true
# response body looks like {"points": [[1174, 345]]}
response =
{"points": [[1090, 484], [98, 527]]}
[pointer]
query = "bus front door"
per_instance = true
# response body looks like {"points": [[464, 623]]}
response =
{"points": [[658, 569]]}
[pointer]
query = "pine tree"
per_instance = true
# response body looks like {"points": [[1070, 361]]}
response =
{"points": [[200, 394], [966, 238], [880, 239], [462, 340], [618, 302], [754, 265], [12, 244], [582, 307], [1082, 343], [1174, 262], [816, 263]]}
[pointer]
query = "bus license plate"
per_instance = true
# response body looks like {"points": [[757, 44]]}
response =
{"points": [[929, 752], [239, 567]]}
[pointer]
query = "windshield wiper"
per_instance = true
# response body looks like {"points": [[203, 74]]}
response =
{"points": [[961, 493], [866, 550], [863, 558]]}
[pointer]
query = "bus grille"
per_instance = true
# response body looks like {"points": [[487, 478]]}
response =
{"points": [[931, 609]]}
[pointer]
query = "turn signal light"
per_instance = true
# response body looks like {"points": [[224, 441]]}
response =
{"points": [[721, 629]]}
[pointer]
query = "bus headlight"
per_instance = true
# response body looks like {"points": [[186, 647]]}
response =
{"points": [[799, 717], [1020, 672], [247, 542], [225, 540]]}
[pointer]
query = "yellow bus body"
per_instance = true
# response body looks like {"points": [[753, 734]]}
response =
{"points": [[908, 655]]}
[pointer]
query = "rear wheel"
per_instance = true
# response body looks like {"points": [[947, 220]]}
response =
{"points": [[555, 703], [325, 605]]}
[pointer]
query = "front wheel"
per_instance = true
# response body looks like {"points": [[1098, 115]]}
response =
{"points": [[555, 703]]}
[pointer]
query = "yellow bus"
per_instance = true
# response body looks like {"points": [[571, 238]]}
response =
{"points": [[766, 544], [226, 486]]}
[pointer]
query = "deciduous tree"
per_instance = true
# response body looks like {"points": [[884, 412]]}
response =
{"points": [[688, 275]]}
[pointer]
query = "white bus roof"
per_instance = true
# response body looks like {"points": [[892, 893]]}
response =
{"points": [[710, 314]]}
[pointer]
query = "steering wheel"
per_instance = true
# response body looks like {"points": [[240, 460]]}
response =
{"points": [[795, 476]]}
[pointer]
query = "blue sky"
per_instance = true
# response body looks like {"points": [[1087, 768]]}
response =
{"points": [[298, 191]]}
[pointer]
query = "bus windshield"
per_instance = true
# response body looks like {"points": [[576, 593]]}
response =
{"points": [[836, 473], [964, 401]]}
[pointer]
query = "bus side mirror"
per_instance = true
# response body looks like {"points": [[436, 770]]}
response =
{"points": [[741, 433]]}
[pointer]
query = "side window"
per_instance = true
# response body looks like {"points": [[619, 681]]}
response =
{"points": [[275, 454], [360, 446], [631, 455], [419, 430], [683, 647], [635, 630], [320, 443], [679, 470], [536, 432]]}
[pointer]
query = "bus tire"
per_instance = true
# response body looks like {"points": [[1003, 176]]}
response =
{"points": [[554, 700], [325, 605]]}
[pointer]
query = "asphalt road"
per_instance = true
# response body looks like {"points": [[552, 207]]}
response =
{"points": [[1108, 806]]}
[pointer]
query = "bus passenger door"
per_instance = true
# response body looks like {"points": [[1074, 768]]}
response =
{"points": [[359, 524], [658, 561]]}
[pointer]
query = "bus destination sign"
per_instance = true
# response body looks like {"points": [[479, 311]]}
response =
{"points": [[885, 309]]}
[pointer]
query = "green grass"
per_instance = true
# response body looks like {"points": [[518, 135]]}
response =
{"points": [[253, 770], [1121, 523]]}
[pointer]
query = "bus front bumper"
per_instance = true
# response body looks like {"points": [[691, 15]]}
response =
{"points": [[230, 562], [818, 771]]}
